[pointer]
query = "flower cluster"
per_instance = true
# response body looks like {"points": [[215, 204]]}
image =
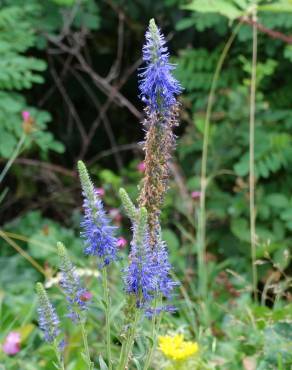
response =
{"points": [[76, 294], [140, 277], [11, 345], [159, 90], [165, 284], [97, 231], [176, 348], [157, 85], [98, 234], [48, 319], [148, 273]]}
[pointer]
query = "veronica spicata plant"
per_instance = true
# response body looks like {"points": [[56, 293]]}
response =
{"points": [[71, 285], [49, 323], [97, 232], [147, 275], [158, 91]]}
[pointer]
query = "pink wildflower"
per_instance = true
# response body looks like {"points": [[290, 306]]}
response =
{"points": [[196, 195], [25, 115], [122, 242], [100, 191], [11, 345], [86, 296], [141, 167]]}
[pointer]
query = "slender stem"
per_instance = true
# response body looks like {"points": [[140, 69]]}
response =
{"points": [[128, 342], [85, 342], [153, 336], [202, 272], [12, 158], [107, 317], [59, 357], [22, 252], [155, 325], [251, 158]]}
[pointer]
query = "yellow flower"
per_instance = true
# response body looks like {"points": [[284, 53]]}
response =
{"points": [[176, 348]]}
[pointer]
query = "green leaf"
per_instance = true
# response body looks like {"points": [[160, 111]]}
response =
{"points": [[264, 249], [279, 6], [102, 364], [240, 228], [64, 2], [7, 144], [278, 341], [282, 258], [230, 9], [184, 23], [286, 215], [137, 363], [90, 20], [288, 52], [241, 168], [277, 200], [171, 239], [109, 177]]}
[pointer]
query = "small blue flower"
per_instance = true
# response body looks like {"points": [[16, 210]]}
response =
{"points": [[157, 85], [165, 284], [48, 319], [97, 231], [71, 285], [148, 273], [140, 275], [150, 312]]}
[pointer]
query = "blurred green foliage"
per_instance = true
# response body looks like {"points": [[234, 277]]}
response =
{"points": [[228, 166], [18, 72]]}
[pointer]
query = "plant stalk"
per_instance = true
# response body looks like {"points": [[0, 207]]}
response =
{"points": [[128, 343], [59, 357], [251, 158], [85, 342], [202, 271], [107, 317], [155, 325], [13, 157], [153, 336]]}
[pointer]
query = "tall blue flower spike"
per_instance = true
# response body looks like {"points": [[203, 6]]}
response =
{"points": [[140, 277], [158, 89], [165, 284], [71, 285], [97, 231], [148, 273], [48, 319], [157, 85]]}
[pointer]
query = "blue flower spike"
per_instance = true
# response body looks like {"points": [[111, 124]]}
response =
{"points": [[97, 232]]}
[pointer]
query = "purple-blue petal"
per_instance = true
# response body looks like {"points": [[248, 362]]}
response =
{"points": [[157, 85], [97, 232]]}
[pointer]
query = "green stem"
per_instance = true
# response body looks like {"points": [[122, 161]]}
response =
{"points": [[202, 271], [59, 357], [155, 325], [107, 317], [153, 336], [85, 342], [12, 158], [128, 342], [251, 158]]}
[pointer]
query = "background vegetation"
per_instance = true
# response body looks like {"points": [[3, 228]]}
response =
{"points": [[73, 65]]}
